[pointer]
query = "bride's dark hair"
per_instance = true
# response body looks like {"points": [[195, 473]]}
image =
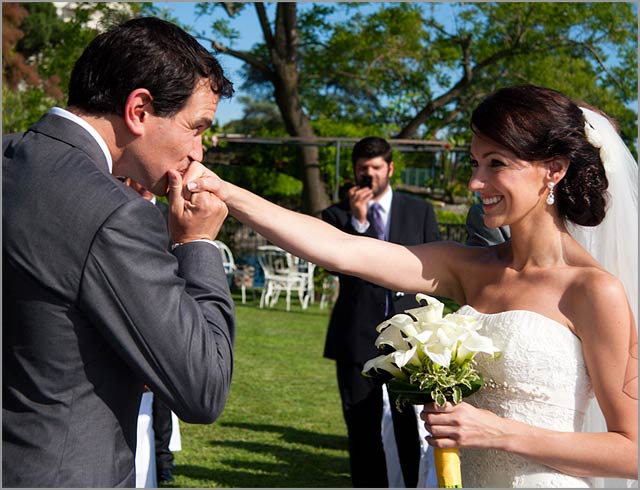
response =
{"points": [[539, 124]]}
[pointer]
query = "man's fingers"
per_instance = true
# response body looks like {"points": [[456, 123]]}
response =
{"points": [[176, 200]]}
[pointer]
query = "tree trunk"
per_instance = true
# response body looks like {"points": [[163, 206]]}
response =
{"points": [[283, 51]]}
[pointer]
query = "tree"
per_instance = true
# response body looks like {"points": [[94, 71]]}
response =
{"points": [[40, 44], [405, 69], [278, 63], [408, 65]]}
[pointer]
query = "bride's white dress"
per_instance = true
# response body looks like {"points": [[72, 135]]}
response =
{"points": [[540, 379]]}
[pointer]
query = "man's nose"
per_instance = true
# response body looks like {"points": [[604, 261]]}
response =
{"points": [[197, 152]]}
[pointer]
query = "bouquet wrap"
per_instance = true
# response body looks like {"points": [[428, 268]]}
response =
{"points": [[447, 463]]}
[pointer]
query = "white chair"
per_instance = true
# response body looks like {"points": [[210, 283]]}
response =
{"points": [[284, 272], [330, 286], [305, 270], [243, 277], [231, 269], [228, 262]]}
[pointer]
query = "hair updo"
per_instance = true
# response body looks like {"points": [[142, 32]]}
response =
{"points": [[538, 124]]}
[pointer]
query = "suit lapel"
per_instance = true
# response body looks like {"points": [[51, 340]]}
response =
{"points": [[398, 225]]}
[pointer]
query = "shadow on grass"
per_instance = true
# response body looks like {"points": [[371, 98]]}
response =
{"points": [[290, 468], [295, 436]]}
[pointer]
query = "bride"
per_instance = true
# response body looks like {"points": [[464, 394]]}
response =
{"points": [[542, 165]]}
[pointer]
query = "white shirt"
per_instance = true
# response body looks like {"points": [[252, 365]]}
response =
{"points": [[385, 209], [57, 111]]}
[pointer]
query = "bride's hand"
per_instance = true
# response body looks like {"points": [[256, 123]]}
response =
{"points": [[209, 182], [461, 425]]}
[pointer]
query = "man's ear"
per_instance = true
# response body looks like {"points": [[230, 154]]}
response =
{"points": [[137, 108], [390, 168], [557, 169]]}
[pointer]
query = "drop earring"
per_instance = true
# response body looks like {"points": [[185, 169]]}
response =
{"points": [[551, 198]]}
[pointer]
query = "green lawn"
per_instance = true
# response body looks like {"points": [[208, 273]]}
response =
{"points": [[282, 426]]}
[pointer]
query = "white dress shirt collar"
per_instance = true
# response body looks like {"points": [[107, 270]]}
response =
{"points": [[57, 111]]}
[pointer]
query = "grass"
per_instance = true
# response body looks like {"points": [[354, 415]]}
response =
{"points": [[283, 425]]}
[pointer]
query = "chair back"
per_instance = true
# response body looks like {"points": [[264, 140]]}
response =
{"points": [[228, 262], [285, 272], [274, 261]]}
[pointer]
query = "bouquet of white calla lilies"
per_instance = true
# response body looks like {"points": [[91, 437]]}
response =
{"points": [[430, 358], [427, 349]]}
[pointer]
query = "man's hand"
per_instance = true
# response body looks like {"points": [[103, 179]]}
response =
{"points": [[193, 216], [358, 199]]}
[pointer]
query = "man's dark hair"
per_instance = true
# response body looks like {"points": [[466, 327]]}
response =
{"points": [[145, 53], [371, 147]]}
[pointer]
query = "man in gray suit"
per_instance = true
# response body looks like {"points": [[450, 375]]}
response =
{"points": [[95, 306]]}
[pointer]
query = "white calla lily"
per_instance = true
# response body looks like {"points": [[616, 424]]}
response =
{"points": [[402, 321], [421, 338], [384, 363], [439, 354], [474, 344], [392, 336], [402, 358], [429, 313]]}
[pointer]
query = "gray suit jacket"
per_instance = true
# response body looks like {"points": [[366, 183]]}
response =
{"points": [[94, 308]]}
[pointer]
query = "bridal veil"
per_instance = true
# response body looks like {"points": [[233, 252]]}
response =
{"points": [[614, 242]]}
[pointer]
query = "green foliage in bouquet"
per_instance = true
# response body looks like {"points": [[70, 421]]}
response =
{"points": [[437, 384]]}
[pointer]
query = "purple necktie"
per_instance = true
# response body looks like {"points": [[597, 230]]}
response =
{"points": [[376, 218]]}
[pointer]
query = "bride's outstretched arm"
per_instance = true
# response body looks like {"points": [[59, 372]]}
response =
{"points": [[427, 268]]}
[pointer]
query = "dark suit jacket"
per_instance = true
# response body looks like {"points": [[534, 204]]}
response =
{"points": [[94, 308], [360, 306], [480, 235]]}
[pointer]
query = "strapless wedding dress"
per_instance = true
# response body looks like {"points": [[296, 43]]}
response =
{"points": [[540, 379]]}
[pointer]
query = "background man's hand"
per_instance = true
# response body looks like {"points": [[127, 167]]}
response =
{"points": [[358, 199], [193, 216]]}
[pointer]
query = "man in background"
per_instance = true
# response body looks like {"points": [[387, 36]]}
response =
{"points": [[371, 208], [81, 335], [478, 234]]}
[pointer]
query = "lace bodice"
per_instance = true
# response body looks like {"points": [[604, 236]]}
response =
{"points": [[540, 379]]}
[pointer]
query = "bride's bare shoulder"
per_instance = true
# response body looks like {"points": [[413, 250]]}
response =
{"points": [[595, 293]]}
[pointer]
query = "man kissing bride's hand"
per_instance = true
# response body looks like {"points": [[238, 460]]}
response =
{"points": [[193, 215]]}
